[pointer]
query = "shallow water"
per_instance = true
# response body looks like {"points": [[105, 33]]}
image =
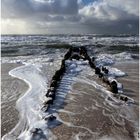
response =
{"points": [[78, 88], [96, 115], [11, 89]]}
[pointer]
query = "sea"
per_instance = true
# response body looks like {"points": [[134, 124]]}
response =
{"points": [[41, 55]]}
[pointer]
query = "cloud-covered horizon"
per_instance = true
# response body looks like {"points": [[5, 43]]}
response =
{"points": [[70, 16]]}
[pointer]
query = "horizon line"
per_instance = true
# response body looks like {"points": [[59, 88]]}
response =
{"points": [[73, 34]]}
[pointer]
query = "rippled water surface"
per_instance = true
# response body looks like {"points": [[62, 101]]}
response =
{"points": [[84, 107]]}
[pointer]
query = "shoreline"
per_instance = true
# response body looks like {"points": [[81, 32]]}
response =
{"points": [[82, 125], [12, 88], [31, 101]]}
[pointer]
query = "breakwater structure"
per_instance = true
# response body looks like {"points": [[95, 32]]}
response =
{"points": [[74, 54]]}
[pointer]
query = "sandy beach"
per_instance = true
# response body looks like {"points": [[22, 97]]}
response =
{"points": [[86, 114], [12, 89], [89, 117]]}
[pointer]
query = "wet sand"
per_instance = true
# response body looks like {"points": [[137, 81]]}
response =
{"points": [[86, 114], [89, 116], [131, 81], [11, 90]]}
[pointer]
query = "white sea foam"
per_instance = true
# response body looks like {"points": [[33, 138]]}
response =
{"points": [[123, 56], [109, 59], [83, 39], [29, 105], [104, 91], [116, 72], [101, 60], [104, 59]]}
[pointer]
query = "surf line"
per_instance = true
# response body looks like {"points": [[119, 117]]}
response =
{"points": [[79, 53], [64, 73]]}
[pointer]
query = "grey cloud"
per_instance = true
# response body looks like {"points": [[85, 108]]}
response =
{"points": [[114, 27], [103, 16], [107, 17], [27, 8], [16, 8], [105, 10]]}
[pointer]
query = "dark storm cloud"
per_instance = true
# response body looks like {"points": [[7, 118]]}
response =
{"points": [[97, 16], [27, 8], [16, 8], [114, 27]]}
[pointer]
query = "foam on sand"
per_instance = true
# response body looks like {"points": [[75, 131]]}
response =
{"points": [[33, 123], [29, 104]]}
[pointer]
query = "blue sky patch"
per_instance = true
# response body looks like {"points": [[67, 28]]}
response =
{"points": [[86, 2]]}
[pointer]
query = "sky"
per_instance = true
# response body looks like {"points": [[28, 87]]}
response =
{"points": [[69, 16]]}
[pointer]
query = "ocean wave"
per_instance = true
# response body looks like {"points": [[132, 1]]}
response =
{"points": [[78, 40]]}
